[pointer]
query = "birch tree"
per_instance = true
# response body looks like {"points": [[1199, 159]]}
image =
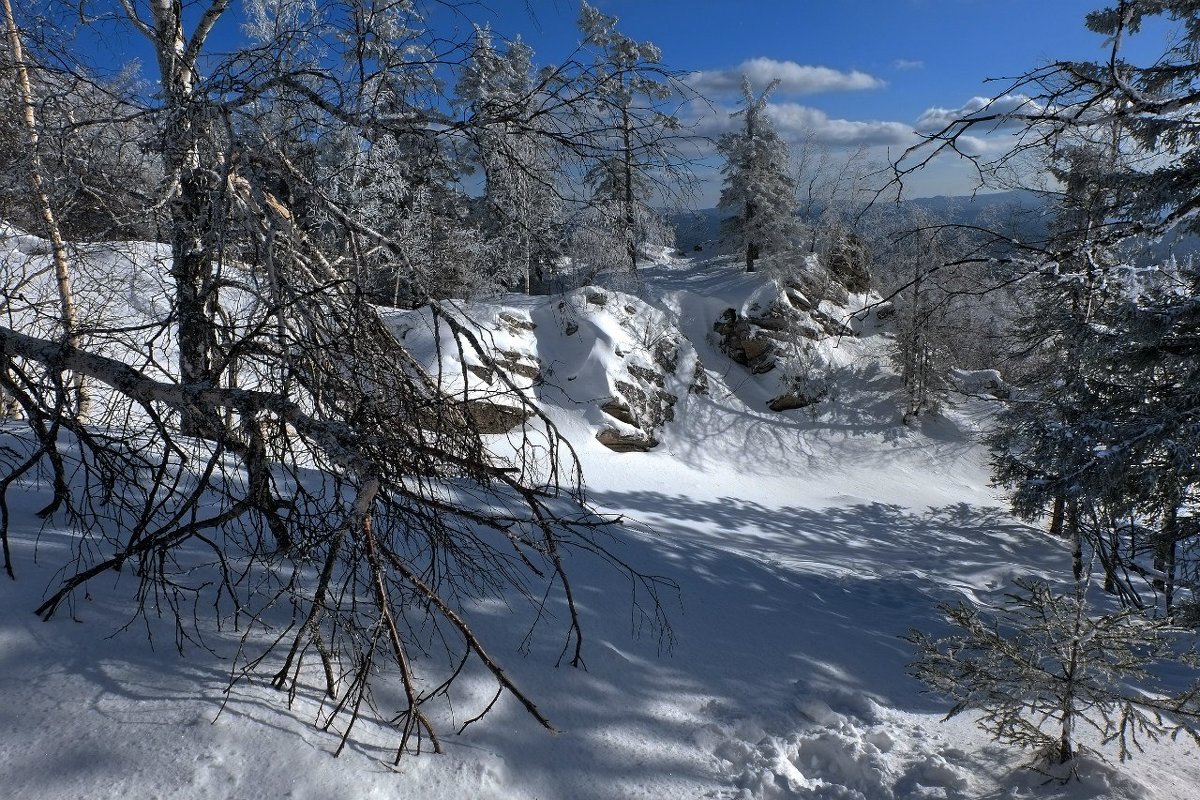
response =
{"points": [[37, 185]]}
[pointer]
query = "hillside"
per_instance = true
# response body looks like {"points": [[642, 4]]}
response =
{"points": [[803, 542]]}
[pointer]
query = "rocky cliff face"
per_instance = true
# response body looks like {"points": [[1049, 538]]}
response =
{"points": [[630, 365]]}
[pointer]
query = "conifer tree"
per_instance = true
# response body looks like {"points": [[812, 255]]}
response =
{"points": [[758, 188], [1111, 406], [522, 199], [1106, 429], [1042, 667], [631, 85]]}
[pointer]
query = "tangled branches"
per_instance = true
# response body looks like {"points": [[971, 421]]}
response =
{"points": [[352, 512]]}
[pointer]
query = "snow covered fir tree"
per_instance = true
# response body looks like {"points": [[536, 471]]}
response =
{"points": [[758, 187], [591, 402]]}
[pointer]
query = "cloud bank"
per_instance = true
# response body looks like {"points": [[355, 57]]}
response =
{"points": [[796, 122], [794, 78], [934, 119]]}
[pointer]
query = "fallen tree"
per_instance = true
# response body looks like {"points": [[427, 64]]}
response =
{"points": [[358, 494]]}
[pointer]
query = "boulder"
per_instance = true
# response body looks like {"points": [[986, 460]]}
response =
{"points": [[520, 364], [650, 408], [775, 319], [666, 355], [626, 442], [492, 418], [699, 383], [618, 411], [755, 349], [646, 375], [981, 382], [797, 298], [483, 373], [791, 400], [516, 324], [833, 327], [808, 330], [739, 342]]}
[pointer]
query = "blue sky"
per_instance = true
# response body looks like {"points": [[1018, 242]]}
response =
{"points": [[855, 71]]}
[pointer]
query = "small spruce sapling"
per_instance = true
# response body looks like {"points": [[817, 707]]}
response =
{"points": [[1040, 668]]}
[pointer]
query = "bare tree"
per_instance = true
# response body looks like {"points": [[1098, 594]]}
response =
{"points": [[829, 189], [295, 466], [349, 487]]}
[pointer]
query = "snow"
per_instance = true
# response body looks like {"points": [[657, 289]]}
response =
{"points": [[804, 544]]}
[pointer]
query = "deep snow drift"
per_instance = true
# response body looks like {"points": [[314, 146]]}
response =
{"points": [[804, 543]]}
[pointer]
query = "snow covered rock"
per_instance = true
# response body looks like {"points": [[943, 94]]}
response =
{"points": [[491, 418], [793, 400], [626, 442], [739, 341], [980, 382]]}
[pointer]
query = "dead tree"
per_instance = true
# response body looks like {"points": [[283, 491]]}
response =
{"points": [[351, 488]]}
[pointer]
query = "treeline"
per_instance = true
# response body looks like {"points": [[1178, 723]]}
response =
{"points": [[449, 167]]}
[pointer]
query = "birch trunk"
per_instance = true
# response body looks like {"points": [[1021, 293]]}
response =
{"points": [[62, 273]]}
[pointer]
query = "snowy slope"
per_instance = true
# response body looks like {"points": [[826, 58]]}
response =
{"points": [[804, 543]]}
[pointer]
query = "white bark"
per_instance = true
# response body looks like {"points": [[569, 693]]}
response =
{"points": [[62, 274]]}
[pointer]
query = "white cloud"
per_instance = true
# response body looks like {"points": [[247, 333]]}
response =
{"points": [[795, 122], [934, 119], [905, 64], [794, 78], [983, 147]]}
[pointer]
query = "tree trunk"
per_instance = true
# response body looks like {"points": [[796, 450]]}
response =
{"points": [[1056, 515], [751, 244], [630, 217], [10, 408], [193, 218], [1073, 669], [1066, 750], [1114, 555], [62, 273], [1076, 534], [1164, 552], [191, 268]]}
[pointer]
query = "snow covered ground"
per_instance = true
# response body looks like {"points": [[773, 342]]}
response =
{"points": [[804, 544]]}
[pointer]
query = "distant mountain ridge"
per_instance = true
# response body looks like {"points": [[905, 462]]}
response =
{"points": [[1023, 213], [1026, 209]]}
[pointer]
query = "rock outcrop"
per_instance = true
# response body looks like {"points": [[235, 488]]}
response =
{"points": [[626, 442], [740, 340], [493, 418]]}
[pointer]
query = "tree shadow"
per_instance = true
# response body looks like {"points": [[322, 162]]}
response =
{"points": [[773, 601], [829, 588]]}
